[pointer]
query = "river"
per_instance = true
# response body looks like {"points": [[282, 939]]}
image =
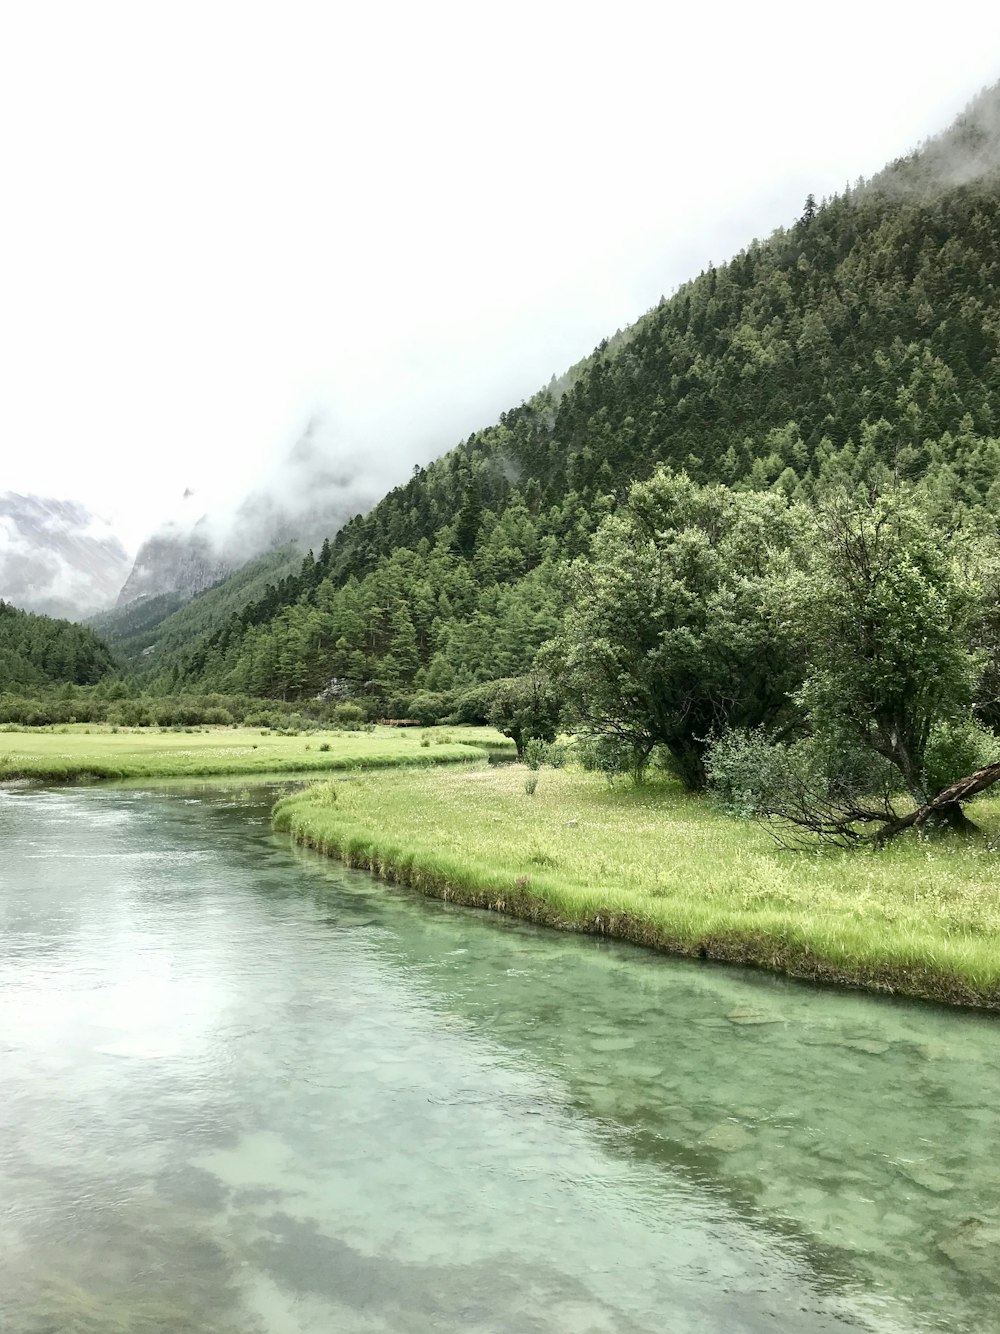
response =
{"points": [[244, 1089]]}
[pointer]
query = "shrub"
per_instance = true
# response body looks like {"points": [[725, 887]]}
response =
{"points": [[131, 713], [217, 718], [530, 783], [955, 749], [473, 704], [752, 776], [556, 754], [429, 707], [535, 753], [348, 713], [612, 756]]}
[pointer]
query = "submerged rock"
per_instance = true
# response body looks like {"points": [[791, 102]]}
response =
{"points": [[727, 1136], [974, 1248], [927, 1179], [869, 1046], [747, 1015], [612, 1044]]}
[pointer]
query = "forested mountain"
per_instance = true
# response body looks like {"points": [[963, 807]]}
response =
{"points": [[37, 651], [866, 333], [145, 631], [226, 559]]}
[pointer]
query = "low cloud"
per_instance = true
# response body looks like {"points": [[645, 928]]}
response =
{"points": [[57, 557]]}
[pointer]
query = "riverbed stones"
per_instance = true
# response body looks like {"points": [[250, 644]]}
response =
{"points": [[927, 1179], [612, 1044], [870, 1046], [727, 1136], [747, 1016], [973, 1247]]}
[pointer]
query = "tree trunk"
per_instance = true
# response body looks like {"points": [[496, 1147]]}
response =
{"points": [[952, 816], [946, 807]]}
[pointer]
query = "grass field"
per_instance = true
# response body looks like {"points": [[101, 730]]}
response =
{"points": [[657, 867], [76, 753]]}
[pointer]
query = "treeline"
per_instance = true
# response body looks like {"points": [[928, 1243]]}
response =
{"points": [[863, 337], [120, 702], [36, 651]]}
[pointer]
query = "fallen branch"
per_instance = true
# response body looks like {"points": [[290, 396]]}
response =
{"points": [[837, 821]]}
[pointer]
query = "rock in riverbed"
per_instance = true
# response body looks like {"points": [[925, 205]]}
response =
{"points": [[727, 1136], [747, 1015], [973, 1248]]}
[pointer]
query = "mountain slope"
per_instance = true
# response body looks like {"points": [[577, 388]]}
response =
{"points": [[38, 651], [150, 629], [866, 333], [313, 490]]}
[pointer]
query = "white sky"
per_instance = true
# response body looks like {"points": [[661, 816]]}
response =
{"points": [[218, 218]]}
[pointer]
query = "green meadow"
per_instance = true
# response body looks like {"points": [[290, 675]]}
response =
{"points": [[77, 753], [660, 868]]}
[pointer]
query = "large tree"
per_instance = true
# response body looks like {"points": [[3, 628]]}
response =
{"points": [[674, 632], [887, 608]]}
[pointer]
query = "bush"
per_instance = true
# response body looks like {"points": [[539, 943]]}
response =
{"points": [[473, 704], [428, 707], [751, 776], [745, 770], [955, 750], [535, 753], [217, 718], [612, 756], [262, 720], [131, 713], [530, 783], [557, 754], [347, 713]]}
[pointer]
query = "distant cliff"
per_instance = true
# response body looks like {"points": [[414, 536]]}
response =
{"points": [[178, 560]]}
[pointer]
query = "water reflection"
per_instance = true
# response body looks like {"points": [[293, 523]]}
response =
{"points": [[245, 1089]]}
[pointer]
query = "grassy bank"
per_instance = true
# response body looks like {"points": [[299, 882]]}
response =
{"points": [[75, 753], [659, 868]]}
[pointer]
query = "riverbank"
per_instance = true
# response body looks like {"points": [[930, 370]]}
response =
{"points": [[659, 868], [76, 754]]}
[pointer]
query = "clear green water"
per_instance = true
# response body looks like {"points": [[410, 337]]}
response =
{"points": [[244, 1089]]}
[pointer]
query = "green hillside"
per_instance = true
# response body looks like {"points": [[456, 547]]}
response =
{"points": [[145, 632], [863, 335], [39, 651]]}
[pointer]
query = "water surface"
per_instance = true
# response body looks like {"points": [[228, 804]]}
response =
{"points": [[245, 1089]]}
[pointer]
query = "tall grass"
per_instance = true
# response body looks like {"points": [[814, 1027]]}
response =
{"points": [[657, 867]]}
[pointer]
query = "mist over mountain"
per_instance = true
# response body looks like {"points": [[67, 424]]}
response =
{"points": [[863, 336], [57, 558], [308, 494]]}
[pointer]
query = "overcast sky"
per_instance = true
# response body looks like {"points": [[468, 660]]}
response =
{"points": [[219, 219]]}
